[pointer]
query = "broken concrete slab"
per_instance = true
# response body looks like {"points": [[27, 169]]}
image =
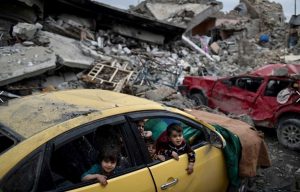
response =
{"points": [[163, 11], [26, 31], [138, 34], [19, 62], [68, 51], [291, 58], [160, 93]]}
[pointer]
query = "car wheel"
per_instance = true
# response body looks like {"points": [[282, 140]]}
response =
{"points": [[199, 99], [288, 132]]}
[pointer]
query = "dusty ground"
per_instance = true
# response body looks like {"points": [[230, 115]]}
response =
{"points": [[280, 176]]}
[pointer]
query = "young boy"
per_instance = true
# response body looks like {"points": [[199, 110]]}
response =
{"points": [[152, 150], [108, 162], [177, 145]]}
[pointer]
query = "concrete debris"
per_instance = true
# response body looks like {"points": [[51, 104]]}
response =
{"points": [[291, 58], [26, 31], [71, 26], [215, 48], [138, 34], [19, 62], [175, 13], [178, 101], [68, 51], [160, 93], [185, 14]]}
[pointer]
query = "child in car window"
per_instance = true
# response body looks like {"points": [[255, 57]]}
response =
{"points": [[108, 162], [152, 150], [141, 128], [177, 145]]}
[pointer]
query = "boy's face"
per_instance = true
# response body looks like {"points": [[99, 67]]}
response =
{"points": [[176, 138], [151, 149], [108, 165]]}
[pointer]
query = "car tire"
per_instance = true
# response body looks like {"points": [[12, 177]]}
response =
{"points": [[199, 99], [288, 132]]}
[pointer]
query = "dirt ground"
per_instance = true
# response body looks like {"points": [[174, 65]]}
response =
{"points": [[280, 176]]}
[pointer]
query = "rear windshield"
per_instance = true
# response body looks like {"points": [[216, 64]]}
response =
{"points": [[6, 141]]}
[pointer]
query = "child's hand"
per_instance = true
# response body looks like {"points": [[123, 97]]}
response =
{"points": [[102, 179], [161, 157], [190, 168], [175, 155]]}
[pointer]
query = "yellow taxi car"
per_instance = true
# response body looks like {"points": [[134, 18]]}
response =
{"points": [[48, 141]]}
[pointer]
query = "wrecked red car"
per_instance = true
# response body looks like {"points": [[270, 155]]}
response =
{"points": [[269, 95]]}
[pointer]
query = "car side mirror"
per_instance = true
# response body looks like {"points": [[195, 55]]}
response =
{"points": [[217, 140]]}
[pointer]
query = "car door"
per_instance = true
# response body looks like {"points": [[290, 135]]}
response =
{"points": [[239, 95], [170, 175], [266, 104], [73, 153], [25, 175]]}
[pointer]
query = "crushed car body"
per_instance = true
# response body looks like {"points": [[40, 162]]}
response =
{"points": [[269, 95]]}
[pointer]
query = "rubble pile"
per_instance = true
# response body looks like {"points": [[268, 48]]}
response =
{"points": [[106, 58], [271, 14], [176, 12]]}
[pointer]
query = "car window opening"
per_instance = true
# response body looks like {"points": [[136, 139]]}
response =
{"points": [[275, 86], [72, 160], [247, 83], [156, 127], [5, 143]]}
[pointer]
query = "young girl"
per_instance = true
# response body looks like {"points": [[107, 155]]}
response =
{"points": [[141, 128], [108, 162]]}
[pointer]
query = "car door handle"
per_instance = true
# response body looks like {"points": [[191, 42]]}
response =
{"points": [[170, 184]]}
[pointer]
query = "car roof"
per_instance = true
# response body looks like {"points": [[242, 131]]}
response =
{"points": [[32, 114], [269, 70]]}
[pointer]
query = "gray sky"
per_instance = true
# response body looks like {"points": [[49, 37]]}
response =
{"points": [[288, 5]]}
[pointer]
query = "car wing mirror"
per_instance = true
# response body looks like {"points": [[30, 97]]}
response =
{"points": [[217, 140]]}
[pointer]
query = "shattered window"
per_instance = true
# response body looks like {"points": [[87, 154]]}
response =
{"points": [[275, 86], [248, 83]]}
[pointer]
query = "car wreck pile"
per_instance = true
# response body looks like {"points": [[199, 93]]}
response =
{"points": [[149, 57]]}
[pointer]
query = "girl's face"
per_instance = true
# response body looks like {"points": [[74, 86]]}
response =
{"points": [[108, 165], [141, 126], [176, 138]]}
